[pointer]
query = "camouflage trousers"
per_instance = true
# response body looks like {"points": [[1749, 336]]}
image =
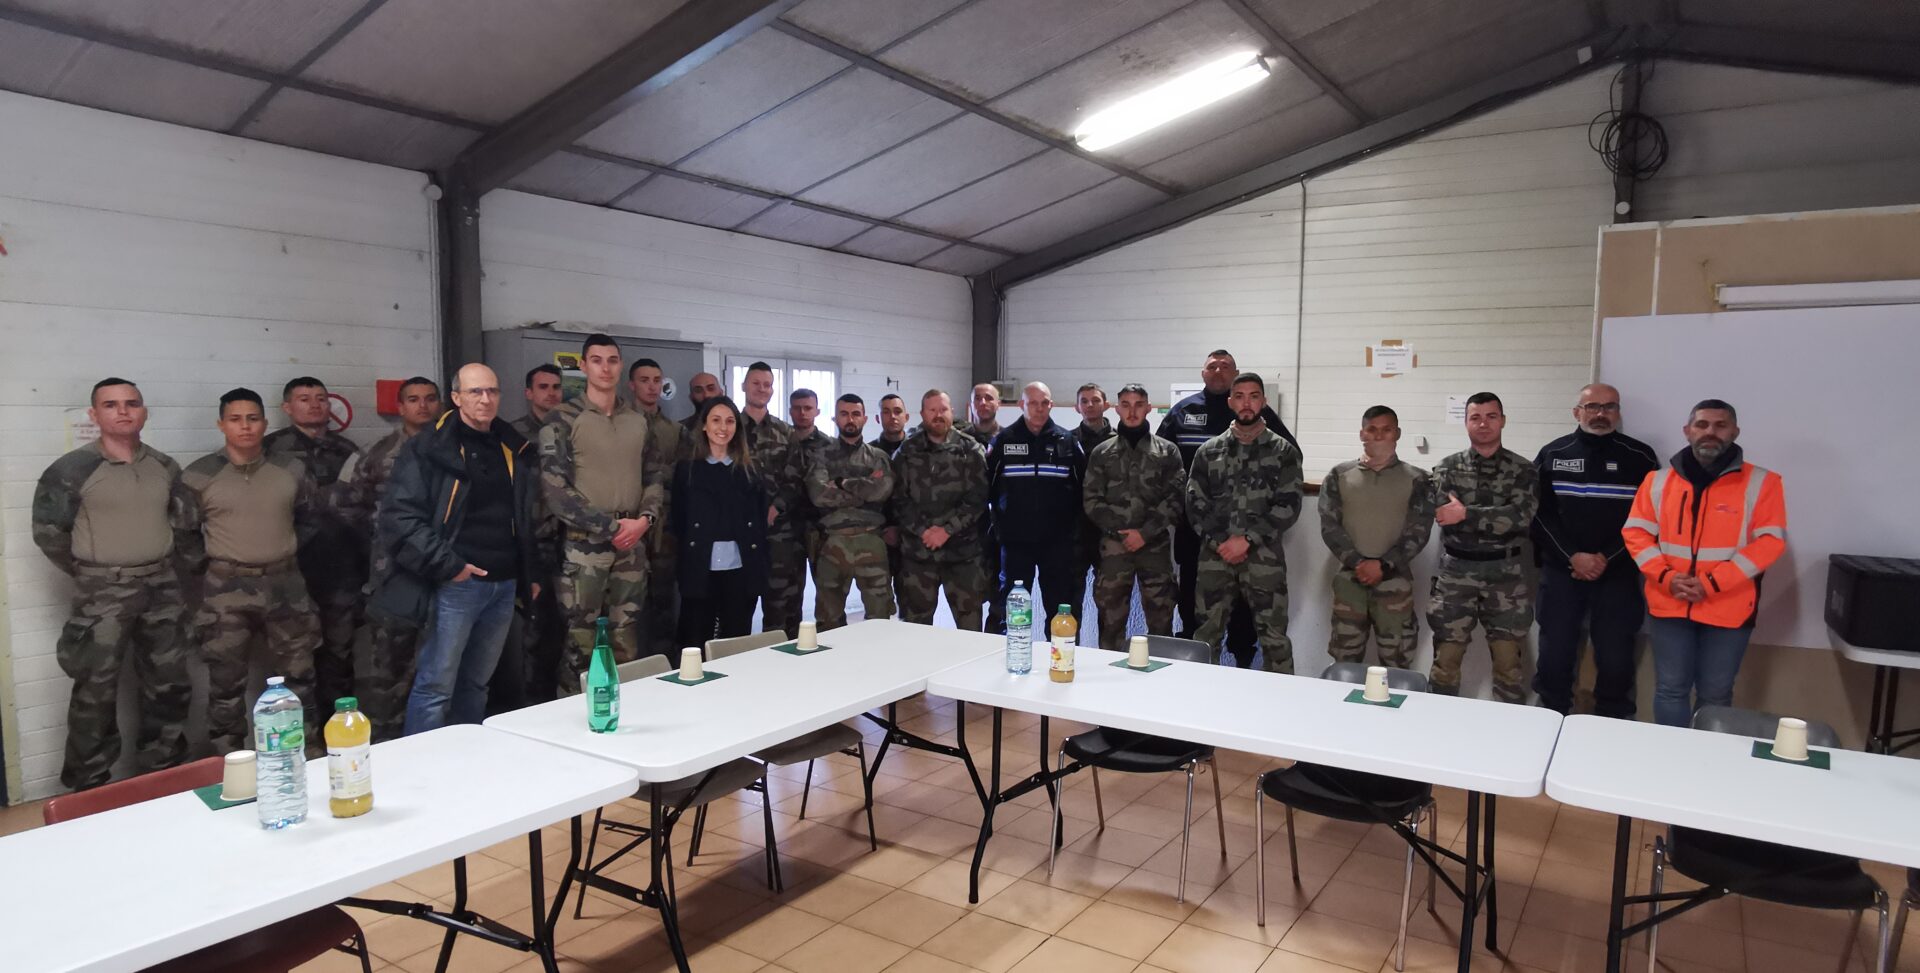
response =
{"points": [[1495, 595], [1384, 609], [131, 613], [1113, 581], [660, 622], [245, 607], [340, 611], [919, 583], [848, 557], [1262, 584], [788, 555], [596, 579], [394, 646]]}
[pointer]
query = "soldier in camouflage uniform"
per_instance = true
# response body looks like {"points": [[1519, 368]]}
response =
{"points": [[543, 626], [1243, 492], [1133, 496], [1490, 495], [893, 431], [334, 559], [984, 424], [849, 482], [939, 502], [1094, 428], [114, 516], [391, 641], [770, 443], [668, 442], [596, 479], [1376, 513], [255, 511], [803, 408]]}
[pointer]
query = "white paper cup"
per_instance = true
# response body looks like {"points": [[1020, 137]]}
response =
{"points": [[1137, 652], [1376, 691], [237, 780], [690, 668], [809, 637], [1790, 740]]}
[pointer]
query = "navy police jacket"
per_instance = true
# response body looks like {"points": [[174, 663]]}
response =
{"points": [[1033, 484]]}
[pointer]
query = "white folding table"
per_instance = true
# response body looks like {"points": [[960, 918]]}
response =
{"points": [[669, 732], [128, 888], [1485, 748], [1863, 807], [1887, 668]]}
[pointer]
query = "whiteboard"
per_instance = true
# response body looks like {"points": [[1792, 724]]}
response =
{"points": [[1828, 398]]}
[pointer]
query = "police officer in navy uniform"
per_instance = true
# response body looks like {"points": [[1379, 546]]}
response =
{"points": [[1587, 578], [1034, 475], [1189, 424]]}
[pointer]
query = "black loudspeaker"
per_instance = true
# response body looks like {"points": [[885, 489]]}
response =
{"points": [[1874, 602]]}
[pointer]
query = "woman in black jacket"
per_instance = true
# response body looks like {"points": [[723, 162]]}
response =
{"points": [[719, 518]]}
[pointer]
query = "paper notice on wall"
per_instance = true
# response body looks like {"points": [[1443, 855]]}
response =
{"points": [[1391, 359], [1456, 409], [80, 428]]}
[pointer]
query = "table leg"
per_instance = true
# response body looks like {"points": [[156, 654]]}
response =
{"points": [[1617, 909], [1470, 898], [1887, 712], [1876, 733], [459, 913], [542, 933], [1493, 887], [669, 912], [986, 811]]}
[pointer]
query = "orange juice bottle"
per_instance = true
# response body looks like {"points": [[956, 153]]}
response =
{"points": [[349, 737], [1064, 630]]}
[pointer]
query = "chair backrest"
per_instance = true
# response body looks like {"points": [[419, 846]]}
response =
{"points": [[1757, 724], [1405, 680], [133, 790], [652, 665], [1178, 649], [721, 648]]}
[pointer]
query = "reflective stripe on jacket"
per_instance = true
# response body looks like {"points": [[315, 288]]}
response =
{"points": [[1727, 536]]}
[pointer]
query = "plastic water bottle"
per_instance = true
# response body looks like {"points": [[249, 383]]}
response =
{"points": [[1019, 630], [280, 745], [603, 684]]}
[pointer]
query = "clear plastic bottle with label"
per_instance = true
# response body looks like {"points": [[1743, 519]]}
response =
{"points": [[349, 736], [1065, 633]]}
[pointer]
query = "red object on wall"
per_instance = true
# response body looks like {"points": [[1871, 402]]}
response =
{"points": [[386, 396]]}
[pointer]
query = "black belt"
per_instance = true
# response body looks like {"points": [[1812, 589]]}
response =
{"points": [[1509, 553]]}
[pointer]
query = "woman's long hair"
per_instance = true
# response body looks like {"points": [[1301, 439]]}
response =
{"points": [[736, 449]]}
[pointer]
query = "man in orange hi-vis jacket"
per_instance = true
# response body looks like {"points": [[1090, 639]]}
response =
{"points": [[1703, 530]]}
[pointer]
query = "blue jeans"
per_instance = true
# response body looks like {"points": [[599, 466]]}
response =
{"points": [[457, 656], [1690, 658]]}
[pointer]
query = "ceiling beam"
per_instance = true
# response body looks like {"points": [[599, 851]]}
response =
{"points": [[1277, 44], [772, 197], [1342, 150], [687, 38], [300, 67], [1800, 52], [932, 90]]}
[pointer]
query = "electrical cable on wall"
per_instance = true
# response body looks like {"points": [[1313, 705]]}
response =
{"points": [[1631, 144]]}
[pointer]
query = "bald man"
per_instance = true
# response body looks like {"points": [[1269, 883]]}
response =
{"points": [[1587, 579], [1034, 476], [459, 519], [700, 388]]}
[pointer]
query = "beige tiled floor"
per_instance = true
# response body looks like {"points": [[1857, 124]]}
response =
{"points": [[1108, 908]]}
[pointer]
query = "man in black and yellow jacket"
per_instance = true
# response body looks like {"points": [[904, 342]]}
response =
{"points": [[458, 523]]}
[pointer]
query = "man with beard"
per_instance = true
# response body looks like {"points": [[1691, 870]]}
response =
{"points": [[1588, 479], [1376, 513], [984, 409], [939, 503], [848, 482], [1489, 498], [1133, 496], [544, 625], [700, 388], [1242, 494], [1702, 531]]}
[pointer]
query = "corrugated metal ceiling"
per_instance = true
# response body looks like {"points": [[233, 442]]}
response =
{"points": [[927, 132]]}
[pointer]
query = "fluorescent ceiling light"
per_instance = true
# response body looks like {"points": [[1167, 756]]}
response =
{"points": [[1187, 93], [1848, 294]]}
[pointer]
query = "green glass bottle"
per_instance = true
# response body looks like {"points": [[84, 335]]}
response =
{"points": [[603, 684]]}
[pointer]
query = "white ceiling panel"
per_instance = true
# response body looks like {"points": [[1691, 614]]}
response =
{"points": [[56, 66], [481, 59], [1260, 141], [1007, 194], [357, 132], [565, 175], [896, 246], [965, 261], [994, 45], [836, 126], [1083, 211], [953, 154], [796, 224], [865, 25], [692, 202], [740, 83], [270, 34]]}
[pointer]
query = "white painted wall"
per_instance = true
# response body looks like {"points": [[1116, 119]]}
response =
{"points": [[551, 260], [189, 262]]}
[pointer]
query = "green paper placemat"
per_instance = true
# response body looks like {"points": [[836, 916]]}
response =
{"points": [[1153, 665], [674, 677], [1393, 699], [210, 795], [1818, 759], [793, 648]]}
